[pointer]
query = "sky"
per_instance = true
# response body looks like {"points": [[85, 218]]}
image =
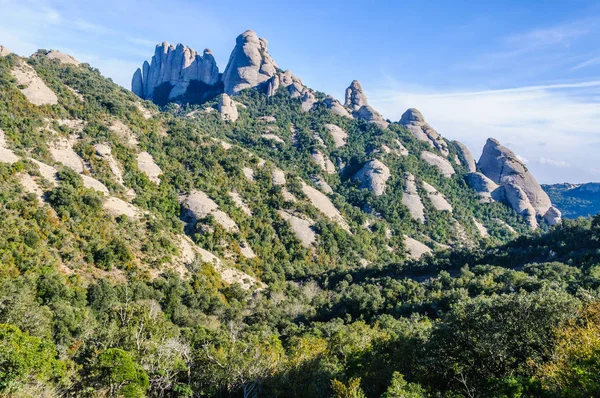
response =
{"points": [[524, 72]]}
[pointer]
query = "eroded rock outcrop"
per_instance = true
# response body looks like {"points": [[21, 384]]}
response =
{"points": [[335, 107], [373, 176], [442, 164], [356, 103], [438, 200], [228, 109], [340, 137], [32, 87], [411, 198], [521, 189], [63, 58], [173, 68], [4, 51], [414, 121], [249, 64], [469, 160], [486, 188], [197, 205]]}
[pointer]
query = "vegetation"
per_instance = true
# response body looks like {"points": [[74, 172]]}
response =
{"points": [[94, 305]]}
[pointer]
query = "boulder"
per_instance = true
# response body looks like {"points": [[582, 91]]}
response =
{"points": [[373, 176], [323, 161], [411, 198], [504, 168], [371, 115], [439, 162], [197, 205], [301, 227], [148, 166], [486, 188], [415, 249], [63, 58], [4, 51], [552, 216], [175, 66], [414, 121], [228, 108], [438, 200], [355, 97], [518, 200], [340, 137], [469, 160], [249, 64]]}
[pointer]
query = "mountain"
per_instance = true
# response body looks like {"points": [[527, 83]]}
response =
{"points": [[575, 200], [210, 234]]}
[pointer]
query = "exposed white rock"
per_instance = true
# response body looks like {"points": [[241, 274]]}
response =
{"points": [[301, 227], [322, 184], [340, 137], [249, 64], [324, 162], [486, 188], [118, 207], [411, 198], [124, 132], [176, 67], [322, 202], [401, 148], [34, 88], [197, 205], [268, 119], [552, 216], [335, 107], [273, 137], [415, 249], [63, 58], [468, 157], [94, 184], [503, 167], [31, 186], [146, 113], [443, 165], [483, 232], [437, 199], [371, 115], [287, 195], [228, 108], [246, 250], [414, 121], [308, 100], [355, 96], [46, 171], [62, 151], [373, 176], [104, 152], [146, 164], [278, 177], [239, 202], [248, 173], [6, 155], [4, 51]]}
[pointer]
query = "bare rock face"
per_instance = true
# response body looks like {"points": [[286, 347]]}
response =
{"points": [[415, 249], [414, 121], [197, 205], [308, 100], [34, 88], [356, 103], [522, 190], [228, 108], [355, 96], [335, 107], [249, 64], [412, 200], [323, 161], [340, 137], [302, 228], [63, 58], [4, 51], [469, 160], [439, 162], [175, 66], [373, 176], [486, 188], [438, 200]]}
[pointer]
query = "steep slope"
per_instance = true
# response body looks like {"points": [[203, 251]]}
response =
{"points": [[575, 200]]}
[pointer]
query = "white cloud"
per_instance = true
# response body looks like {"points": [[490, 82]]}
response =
{"points": [[585, 64], [523, 159], [553, 162]]}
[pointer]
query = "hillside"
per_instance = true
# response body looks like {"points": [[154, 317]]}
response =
{"points": [[575, 200], [240, 234]]}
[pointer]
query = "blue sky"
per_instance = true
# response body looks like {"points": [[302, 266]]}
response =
{"points": [[524, 72]]}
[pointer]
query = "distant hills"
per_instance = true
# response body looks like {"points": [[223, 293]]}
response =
{"points": [[575, 200]]}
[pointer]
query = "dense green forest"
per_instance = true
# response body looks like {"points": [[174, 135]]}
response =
{"points": [[575, 200], [94, 305]]}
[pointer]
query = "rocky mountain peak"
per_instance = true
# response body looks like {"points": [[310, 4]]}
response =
{"points": [[249, 64], [173, 68], [412, 115], [414, 121], [4, 51], [355, 96]]}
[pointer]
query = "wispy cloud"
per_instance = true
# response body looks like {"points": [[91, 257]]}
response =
{"points": [[586, 63], [563, 34], [554, 162]]}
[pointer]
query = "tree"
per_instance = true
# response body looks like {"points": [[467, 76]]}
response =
{"points": [[352, 390], [116, 370], [400, 388]]}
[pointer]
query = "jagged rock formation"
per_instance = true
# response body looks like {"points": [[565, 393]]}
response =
{"points": [[521, 189], [228, 108], [414, 121], [443, 165], [176, 68], [4, 51], [373, 176], [412, 200], [469, 160], [249, 64], [356, 103], [335, 107]]}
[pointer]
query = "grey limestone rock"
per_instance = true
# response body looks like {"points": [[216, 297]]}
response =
{"points": [[414, 121], [373, 176]]}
